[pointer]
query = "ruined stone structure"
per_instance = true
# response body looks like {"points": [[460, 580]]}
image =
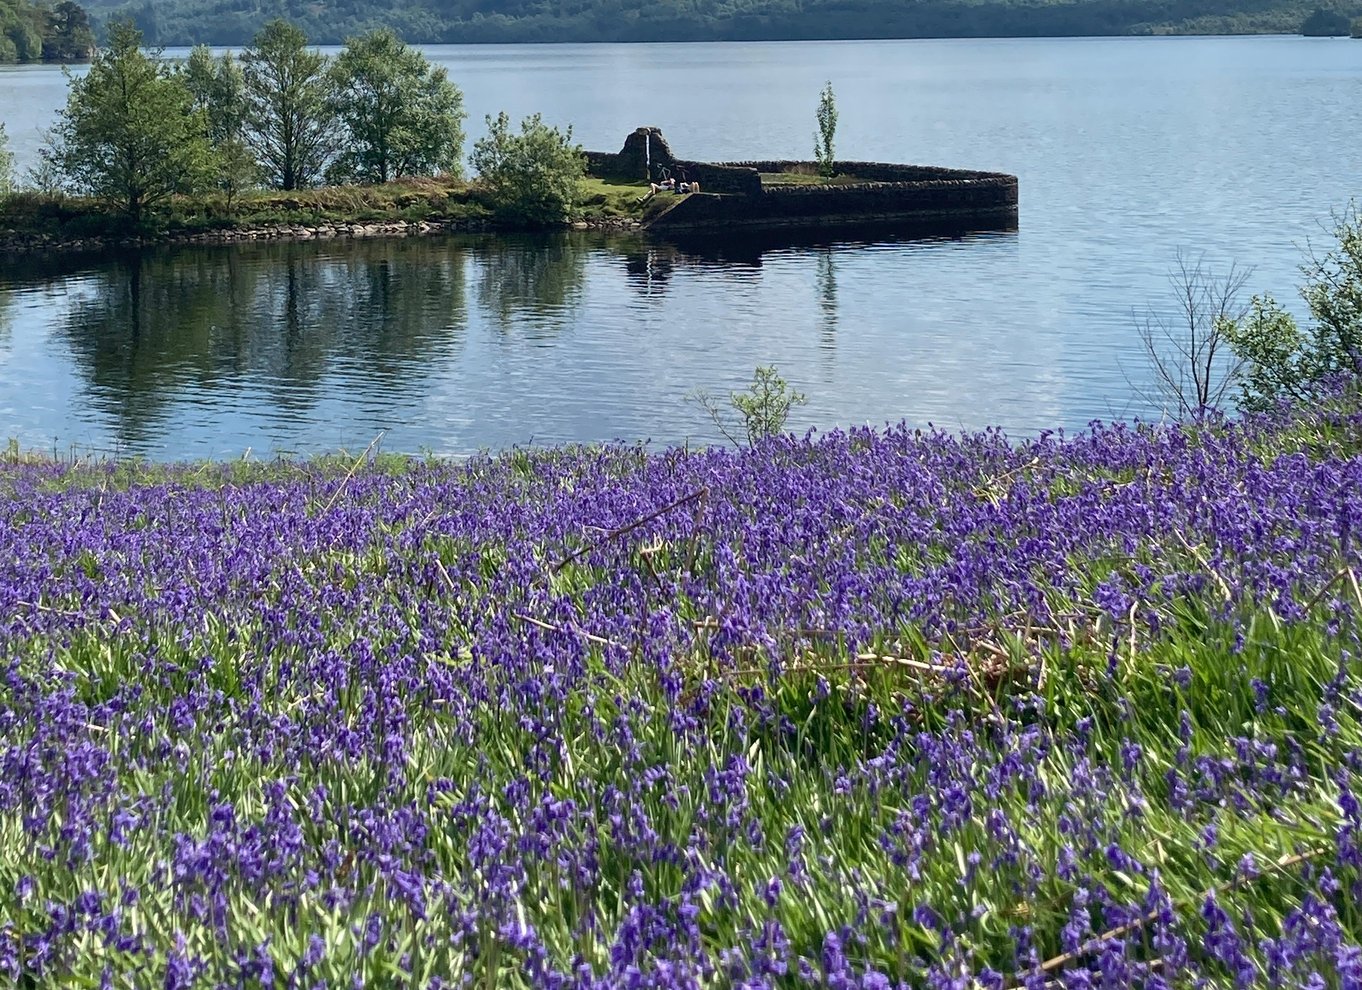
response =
{"points": [[734, 195], [644, 147]]}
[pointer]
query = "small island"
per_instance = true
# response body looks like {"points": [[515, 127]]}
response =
{"points": [[773, 194]]}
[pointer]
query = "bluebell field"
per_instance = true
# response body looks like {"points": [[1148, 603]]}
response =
{"points": [[879, 708]]}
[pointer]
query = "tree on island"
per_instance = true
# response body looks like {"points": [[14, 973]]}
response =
{"points": [[69, 36], [287, 117], [21, 38], [823, 151], [532, 176], [1325, 24], [400, 114], [218, 88], [129, 133]]}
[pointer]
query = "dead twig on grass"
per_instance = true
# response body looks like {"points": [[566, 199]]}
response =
{"points": [[1201, 559], [554, 627], [351, 473], [1120, 931], [622, 530]]}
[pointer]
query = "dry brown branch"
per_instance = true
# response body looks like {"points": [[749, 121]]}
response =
{"points": [[614, 533], [40, 607], [983, 487], [1201, 559], [554, 627], [351, 473], [1092, 944], [1324, 589]]}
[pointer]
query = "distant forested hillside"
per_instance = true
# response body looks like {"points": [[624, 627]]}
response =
{"points": [[232, 22], [37, 32]]}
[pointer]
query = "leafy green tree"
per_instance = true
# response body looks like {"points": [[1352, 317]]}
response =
{"points": [[401, 115], [533, 176], [219, 89], [129, 133], [827, 131], [69, 36], [1325, 24], [6, 164], [1357, 27], [1284, 360], [287, 116], [21, 38]]}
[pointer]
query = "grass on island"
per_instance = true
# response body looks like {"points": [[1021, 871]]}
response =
{"points": [[806, 179], [876, 709], [408, 199], [415, 199]]}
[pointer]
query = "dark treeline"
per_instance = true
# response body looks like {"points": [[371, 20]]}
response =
{"points": [[233, 22], [44, 32]]}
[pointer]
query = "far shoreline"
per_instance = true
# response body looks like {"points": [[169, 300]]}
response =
{"points": [[635, 42]]}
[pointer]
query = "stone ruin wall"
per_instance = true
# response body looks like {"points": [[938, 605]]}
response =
{"points": [[885, 190], [987, 201]]}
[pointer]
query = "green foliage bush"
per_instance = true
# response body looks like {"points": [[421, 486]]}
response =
{"points": [[533, 176], [763, 408], [1284, 360]]}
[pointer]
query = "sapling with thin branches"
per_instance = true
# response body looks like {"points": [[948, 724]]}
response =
{"points": [[823, 151], [763, 408], [1195, 368]]}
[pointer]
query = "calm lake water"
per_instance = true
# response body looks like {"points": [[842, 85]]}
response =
{"points": [[1127, 150]]}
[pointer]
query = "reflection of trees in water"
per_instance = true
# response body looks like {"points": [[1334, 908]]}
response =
{"points": [[375, 308], [279, 317], [148, 325], [534, 280], [826, 281], [6, 302]]}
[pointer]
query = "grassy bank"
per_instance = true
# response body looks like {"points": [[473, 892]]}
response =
{"points": [[875, 709], [455, 203]]}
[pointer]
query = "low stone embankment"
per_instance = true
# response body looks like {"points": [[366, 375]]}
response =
{"points": [[20, 242]]}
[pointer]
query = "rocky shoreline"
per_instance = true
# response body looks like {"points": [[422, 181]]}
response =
{"points": [[24, 242]]}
